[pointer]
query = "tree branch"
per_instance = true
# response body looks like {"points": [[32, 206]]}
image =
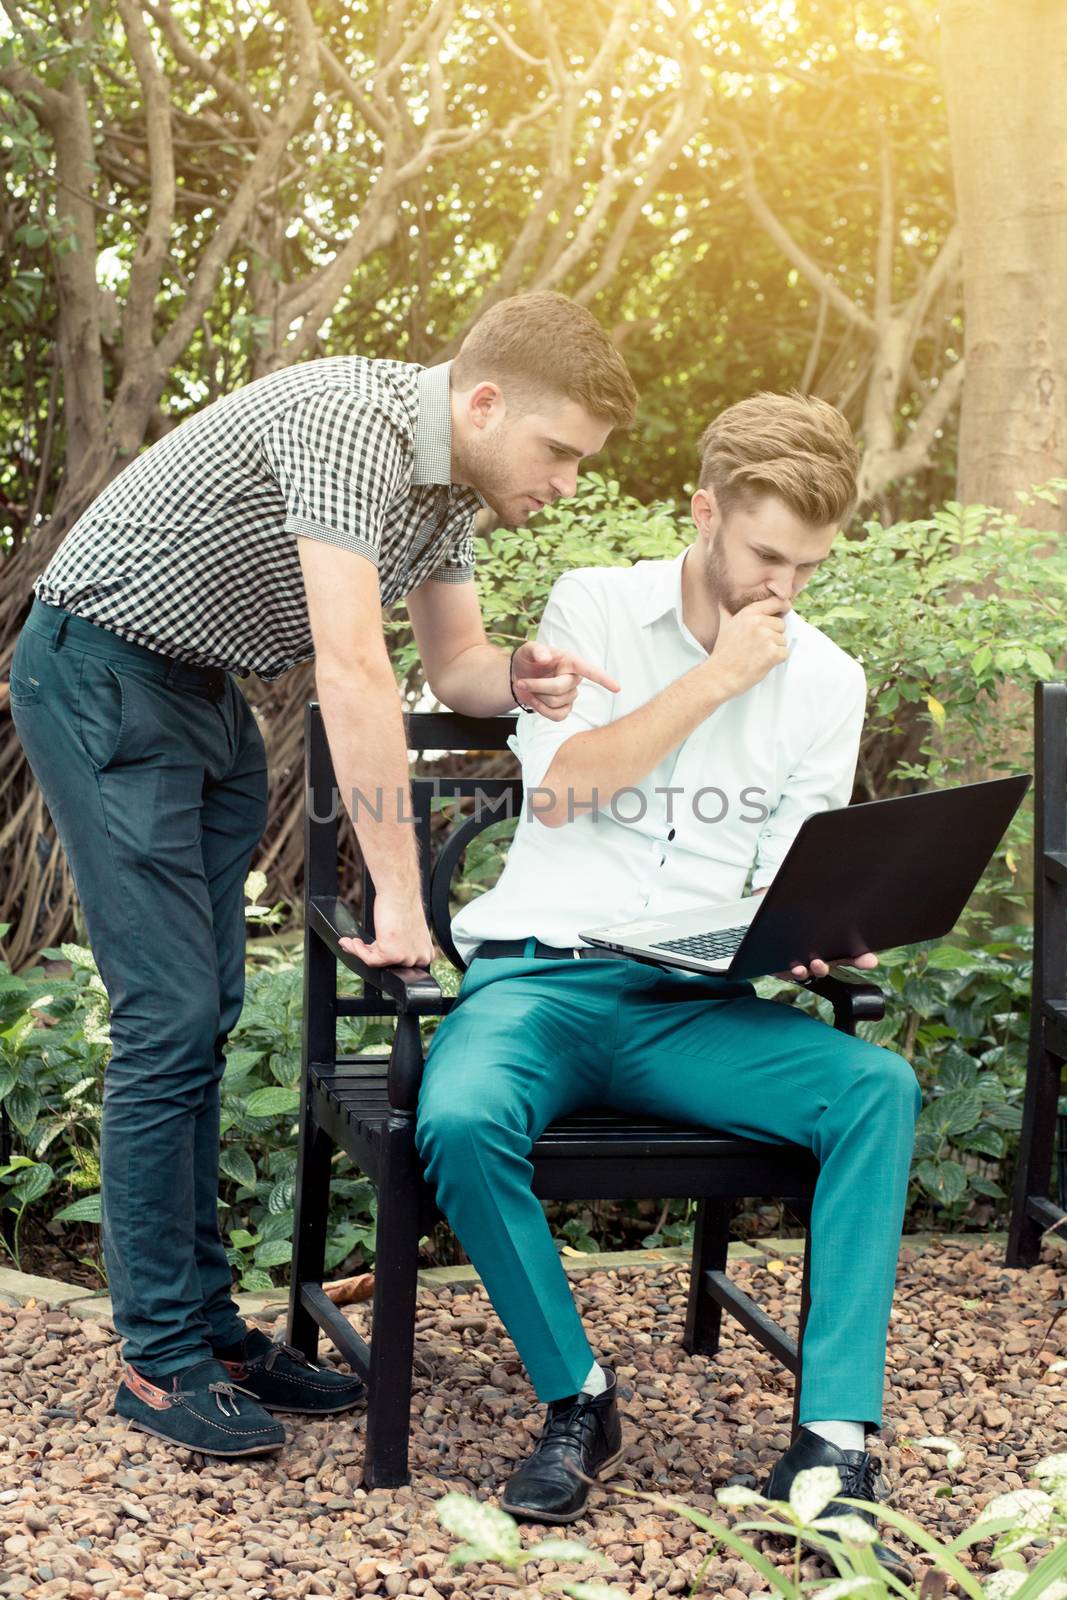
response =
{"points": [[915, 451], [150, 257], [883, 271], [208, 71], [255, 180], [773, 225]]}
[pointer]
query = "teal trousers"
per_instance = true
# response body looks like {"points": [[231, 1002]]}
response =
{"points": [[538, 1038]]}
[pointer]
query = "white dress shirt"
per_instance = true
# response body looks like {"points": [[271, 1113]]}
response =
{"points": [[744, 780]]}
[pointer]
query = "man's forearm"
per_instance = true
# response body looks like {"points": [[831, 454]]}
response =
{"points": [[476, 683], [623, 753], [365, 729]]}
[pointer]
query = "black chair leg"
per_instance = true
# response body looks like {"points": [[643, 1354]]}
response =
{"points": [[711, 1241], [392, 1345], [311, 1207], [1036, 1142], [805, 1307]]}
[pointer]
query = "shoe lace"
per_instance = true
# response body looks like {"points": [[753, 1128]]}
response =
{"points": [[229, 1391], [860, 1481], [566, 1425], [289, 1350]]}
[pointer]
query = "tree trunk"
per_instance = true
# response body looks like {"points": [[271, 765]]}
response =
{"points": [[1005, 66]]}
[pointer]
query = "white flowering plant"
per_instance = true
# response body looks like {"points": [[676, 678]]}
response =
{"points": [[1016, 1526]]}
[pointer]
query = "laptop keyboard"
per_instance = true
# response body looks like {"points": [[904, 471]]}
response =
{"points": [[709, 946]]}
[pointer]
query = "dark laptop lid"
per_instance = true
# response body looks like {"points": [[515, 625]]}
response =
{"points": [[878, 875]]}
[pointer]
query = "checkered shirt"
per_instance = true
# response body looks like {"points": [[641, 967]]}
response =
{"points": [[191, 550]]}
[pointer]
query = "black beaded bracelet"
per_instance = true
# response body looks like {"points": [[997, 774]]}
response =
{"points": [[511, 681]]}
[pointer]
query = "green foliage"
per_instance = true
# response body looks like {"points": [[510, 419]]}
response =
{"points": [[599, 526], [961, 1017], [1009, 1524], [949, 615]]}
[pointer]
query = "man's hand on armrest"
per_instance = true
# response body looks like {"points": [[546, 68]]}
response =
{"points": [[820, 968], [365, 729]]}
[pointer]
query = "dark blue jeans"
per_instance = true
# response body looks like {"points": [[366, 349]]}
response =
{"points": [[155, 775]]}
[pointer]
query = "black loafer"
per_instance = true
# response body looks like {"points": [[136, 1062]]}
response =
{"points": [[199, 1408], [582, 1434], [283, 1379], [857, 1473]]}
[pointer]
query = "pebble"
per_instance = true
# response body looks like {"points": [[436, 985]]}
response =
{"points": [[110, 1513]]}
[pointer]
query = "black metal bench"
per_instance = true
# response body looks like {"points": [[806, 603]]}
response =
{"points": [[365, 1104], [1033, 1212]]}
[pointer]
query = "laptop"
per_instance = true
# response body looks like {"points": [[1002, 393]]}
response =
{"points": [[865, 877]]}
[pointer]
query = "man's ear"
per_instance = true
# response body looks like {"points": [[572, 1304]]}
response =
{"points": [[485, 405], [705, 509]]}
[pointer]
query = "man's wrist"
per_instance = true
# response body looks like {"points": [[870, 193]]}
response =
{"points": [[511, 680], [714, 685]]}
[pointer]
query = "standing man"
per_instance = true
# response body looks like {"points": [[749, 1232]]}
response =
{"points": [[271, 527], [724, 685]]}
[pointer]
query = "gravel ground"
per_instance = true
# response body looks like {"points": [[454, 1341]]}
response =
{"points": [[90, 1508]]}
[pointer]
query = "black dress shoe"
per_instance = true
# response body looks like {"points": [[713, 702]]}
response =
{"points": [[581, 1434], [857, 1473]]}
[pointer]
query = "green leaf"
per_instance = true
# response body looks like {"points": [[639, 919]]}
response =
{"points": [[984, 1141], [947, 958], [255, 885], [564, 1550], [491, 1532], [242, 1238], [280, 1199], [272, 1102], [946, 1181], [239, 1063], [34, 1182], [274, 1253], [23, 1107], [256, 1282], [956, 1111], [85, 1209], [237, 1164], [278, 1227]]}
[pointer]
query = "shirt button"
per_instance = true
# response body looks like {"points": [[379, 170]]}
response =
{"points": [[670, 835]]}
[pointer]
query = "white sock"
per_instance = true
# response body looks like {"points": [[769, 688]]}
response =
{"points": [[846, 1435], [596, 1381]]}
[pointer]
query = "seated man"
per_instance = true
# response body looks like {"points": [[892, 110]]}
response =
{"points": [[735, 720]]}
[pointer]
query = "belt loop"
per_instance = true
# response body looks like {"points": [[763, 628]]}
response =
{"points": [[58, 628]]}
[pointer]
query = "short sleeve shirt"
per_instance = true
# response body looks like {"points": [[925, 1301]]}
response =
{"points": [[192, 549]]}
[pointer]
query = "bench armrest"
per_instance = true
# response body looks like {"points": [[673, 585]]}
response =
{"points": [[414, 991], [854, 999]]}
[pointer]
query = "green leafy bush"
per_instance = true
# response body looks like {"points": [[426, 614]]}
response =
{"points": [[1010, 1524], [953, 617]]}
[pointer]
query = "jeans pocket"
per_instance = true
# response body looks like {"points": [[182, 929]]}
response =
{"points": [[104, 718], [22, 691], [24, 686]]}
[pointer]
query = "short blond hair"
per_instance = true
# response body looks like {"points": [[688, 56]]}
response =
{"points": [[790, 445], [540, 343]]}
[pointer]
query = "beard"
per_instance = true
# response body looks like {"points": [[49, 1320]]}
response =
{"points": [[488, 472], [723, 592]]}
